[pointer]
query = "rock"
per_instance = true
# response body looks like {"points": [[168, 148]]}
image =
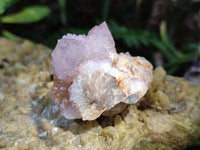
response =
{"points": [[170, 124]]}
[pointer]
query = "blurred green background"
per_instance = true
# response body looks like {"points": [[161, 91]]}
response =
{"points": [[166, 32]]}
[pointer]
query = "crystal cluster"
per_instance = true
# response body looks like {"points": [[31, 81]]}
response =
{"points": [[91, 78]]}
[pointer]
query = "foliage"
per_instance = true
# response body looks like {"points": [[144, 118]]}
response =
{"points": [[4, 4], [139, 26], [29, 14]]}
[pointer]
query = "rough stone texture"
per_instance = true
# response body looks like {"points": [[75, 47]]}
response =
{"points": [[167, 117]]}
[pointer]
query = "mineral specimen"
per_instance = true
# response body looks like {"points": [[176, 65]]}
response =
{"points": [[91, 78]]}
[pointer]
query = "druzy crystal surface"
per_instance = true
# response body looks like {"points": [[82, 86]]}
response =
{"points": [[91, 78]]}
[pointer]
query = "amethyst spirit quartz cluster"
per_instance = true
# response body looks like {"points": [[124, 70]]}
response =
{"points": [[92, 79]]}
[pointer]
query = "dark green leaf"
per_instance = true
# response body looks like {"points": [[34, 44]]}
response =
{"points": [[2, 7], [188, 57], [196, 143], [27, 15], [161, 47], [105, 9], [4, 4], [10, 35], [63, 14], [143, 38], [190, 47], [173, 69]]}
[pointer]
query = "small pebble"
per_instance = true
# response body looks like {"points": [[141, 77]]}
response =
{"points": [[43, 134]]}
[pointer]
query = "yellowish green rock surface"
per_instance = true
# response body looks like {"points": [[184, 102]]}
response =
{"points": [[167, 117]]}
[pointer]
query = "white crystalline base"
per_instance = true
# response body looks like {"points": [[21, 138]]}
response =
{"points": [[100, 85], [95, 89]]}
